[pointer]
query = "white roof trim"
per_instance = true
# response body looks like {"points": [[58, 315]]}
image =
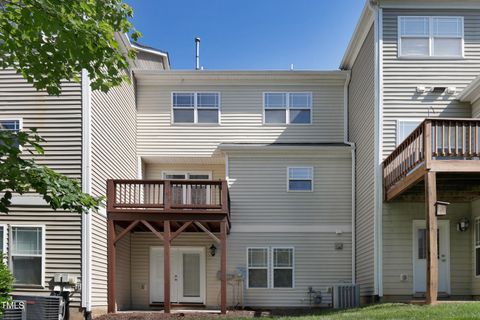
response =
{"points": [[358, 37], [283, 147], [159, 53], [472, 92]]}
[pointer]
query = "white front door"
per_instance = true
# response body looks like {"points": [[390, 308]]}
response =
{"points": [[187, 276], [420, 256]]}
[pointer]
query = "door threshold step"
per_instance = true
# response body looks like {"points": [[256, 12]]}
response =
{"points": [[192, 305]]}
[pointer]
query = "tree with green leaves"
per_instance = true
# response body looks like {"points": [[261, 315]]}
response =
{"points": [[20, 174], [49, 41]]}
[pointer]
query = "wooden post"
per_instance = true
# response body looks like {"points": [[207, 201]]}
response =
{"points": [[431, 229], [111, 266], [166, 266], [223, 266]]}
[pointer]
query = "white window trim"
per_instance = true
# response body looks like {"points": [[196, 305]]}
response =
{"points": [[4, 248], [287, 109], [195, 109], [475, 246], [10, 255], [259, 268], [20, 121], [272, 263], [300, 167], [397, 124], [430, 39]]}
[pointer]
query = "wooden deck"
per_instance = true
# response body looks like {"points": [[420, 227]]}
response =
{"points": [[167, 208], [437, 145]]}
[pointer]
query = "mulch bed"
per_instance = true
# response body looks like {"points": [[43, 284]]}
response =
{"points": [[186, 315]]}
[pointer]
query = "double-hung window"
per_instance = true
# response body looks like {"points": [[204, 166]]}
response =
{"points": [[438, 37], [282, 265], [300, 179], [477, 246], [27, 248], [257, 267], [287, 108], [13, 125], [196, 107], [405, 127], [270, 267]]}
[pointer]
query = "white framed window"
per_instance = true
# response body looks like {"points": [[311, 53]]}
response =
{"points": [[429, 36], [405, 127], [196, 107], [282, 267], [257, 265], [27, 254], [476, 244], [3, 238], [11, 125], [287, 107], [300, 179]]}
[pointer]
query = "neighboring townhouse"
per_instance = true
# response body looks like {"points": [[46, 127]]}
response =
{"points": [[90, 136], [246, 186], [411, 61]]}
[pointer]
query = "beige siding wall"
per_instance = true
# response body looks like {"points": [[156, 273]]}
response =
{"points": [[149, 61], [59, 121], [241, 111], [398, 247], [402, 76], [476, 109], [317, 264], [475, 213], [113, 155], [361, 132], [258, 188]]}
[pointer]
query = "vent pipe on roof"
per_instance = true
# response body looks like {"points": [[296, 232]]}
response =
{"points": [[197, 53]]}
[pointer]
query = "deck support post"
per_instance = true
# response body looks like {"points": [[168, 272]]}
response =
{"points": [[223, 266], [431, 229], [111, 266], [166, 266]]}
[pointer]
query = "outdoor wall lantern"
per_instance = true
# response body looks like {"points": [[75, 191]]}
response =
{"points": [[213, 250], [463, 224], [441, 208]]}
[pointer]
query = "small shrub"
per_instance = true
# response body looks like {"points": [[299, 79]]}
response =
{"points": [[6, 284]]}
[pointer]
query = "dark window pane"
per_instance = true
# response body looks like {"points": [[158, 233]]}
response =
{"points": [[275, 116], [257, 278], [183, 99], [477, 261], [282, 278], [183, 116], [13, 125], [27, 270], [300, 185], [207, 116], [299, 116], [207, 100]]}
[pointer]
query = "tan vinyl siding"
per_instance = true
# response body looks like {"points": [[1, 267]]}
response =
{"points": [[63, 238], [145, 60], [123, 272], [154, 171], [402, 76], [113, 155], [258, 188], [397, 248], [362, 133], [476, 109], [316, 263], [59, 121], [241, 103]]}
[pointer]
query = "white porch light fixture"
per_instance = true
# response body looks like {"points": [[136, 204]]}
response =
{"points": [[441, 208]]}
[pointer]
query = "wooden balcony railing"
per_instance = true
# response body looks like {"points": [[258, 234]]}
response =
{"points": [[433, 140], [168, 196]]}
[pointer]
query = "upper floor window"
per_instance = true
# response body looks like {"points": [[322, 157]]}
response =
{"points": [[405, 127], [287, 108], [300, 179], [10, 125], [196, 107], [438, 37]]}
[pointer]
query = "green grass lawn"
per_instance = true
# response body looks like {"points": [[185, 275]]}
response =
{"points": [[468, 310]]}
